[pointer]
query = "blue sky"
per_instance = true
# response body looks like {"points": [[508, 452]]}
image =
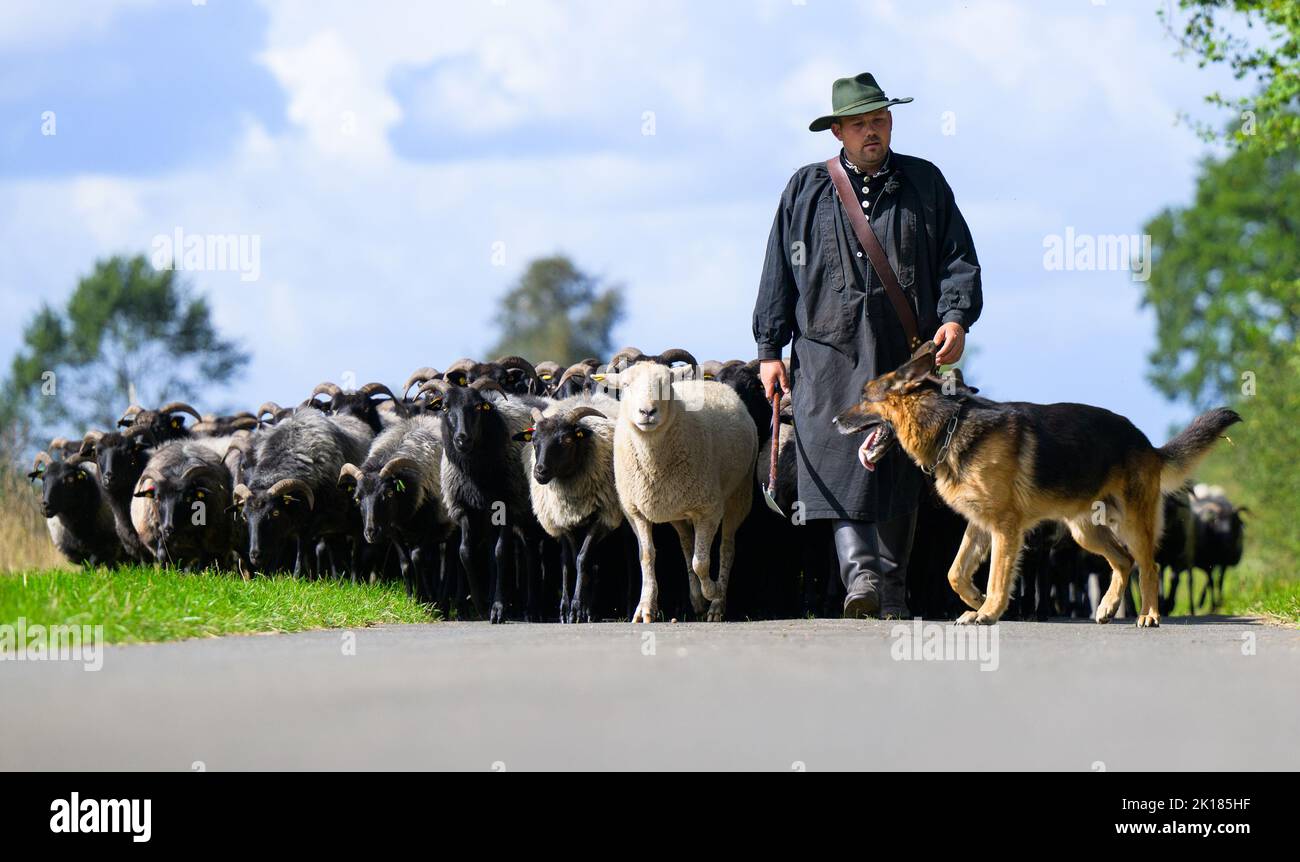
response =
{"points": [[382, 154]]}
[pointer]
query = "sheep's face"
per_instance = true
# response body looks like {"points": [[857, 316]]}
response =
{"points": [[121, 460], [646, 390], [167, 426], [183, 506], [467, 417], [383, 501], [66, 489], [559, 447], [272, 523]]}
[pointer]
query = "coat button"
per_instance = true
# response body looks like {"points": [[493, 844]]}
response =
{"points": [[865, 205], [859, 254], [866, 191]]}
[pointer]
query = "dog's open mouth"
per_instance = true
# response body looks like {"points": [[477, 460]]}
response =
{"points": [[879, 440]]}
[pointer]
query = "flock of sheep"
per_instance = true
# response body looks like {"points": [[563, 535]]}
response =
{"points": [[511, 466], [504, 490]]}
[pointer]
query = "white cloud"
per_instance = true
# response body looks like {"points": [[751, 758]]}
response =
{"points": [[376, 264]]}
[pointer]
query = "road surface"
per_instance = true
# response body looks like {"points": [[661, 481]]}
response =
{"points": [[815, 695]]}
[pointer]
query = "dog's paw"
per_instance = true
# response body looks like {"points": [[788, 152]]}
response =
{"points": [[716, 610], [645, 613], [985, 620], [1106, 611], [968, 618], [1149, 621]]}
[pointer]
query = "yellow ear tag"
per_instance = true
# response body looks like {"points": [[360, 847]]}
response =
{"points": [[288, 499], [579, 433], [401, 486]]}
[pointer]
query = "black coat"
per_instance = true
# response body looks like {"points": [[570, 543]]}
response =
{"points": [[812, 293]]}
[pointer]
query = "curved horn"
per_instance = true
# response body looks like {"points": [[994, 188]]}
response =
{"points": [[548, 367], [90, 441], [420, 375], [370, 390], [352, 471], [243, 423], [197, 470], [136, 431], [82, 458], [490, 384], [628, 355], [41, 458], [268, 407], [460, 366], [129, 415], [518, 362], [578, 370], [293, 486], [442, 387], [397, 464], [59, 443], [676, 354], [582, 412], [180, 407], [326, 388], [241, 493]]}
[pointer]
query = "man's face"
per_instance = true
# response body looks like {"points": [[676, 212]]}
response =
{"points": [[865, 136]]}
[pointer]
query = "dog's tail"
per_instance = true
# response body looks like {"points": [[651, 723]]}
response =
{"points": [[1184, 452]]}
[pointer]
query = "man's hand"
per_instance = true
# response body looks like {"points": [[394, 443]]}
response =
{"points": [[951, 340], [771, 372]]}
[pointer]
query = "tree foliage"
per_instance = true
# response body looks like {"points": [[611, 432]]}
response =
{"points": [[558, 312], [1260, 42], [127, 329]]}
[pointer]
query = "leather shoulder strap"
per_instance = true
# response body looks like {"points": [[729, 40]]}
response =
{"points": [[871, 245]]}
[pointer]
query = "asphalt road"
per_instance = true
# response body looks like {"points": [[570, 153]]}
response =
{"points": [[820, 695]]}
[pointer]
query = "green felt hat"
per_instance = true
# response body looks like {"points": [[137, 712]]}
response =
{"points": [[852, 96]]}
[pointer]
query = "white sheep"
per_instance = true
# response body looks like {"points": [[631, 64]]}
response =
{"points": [[684, 453]]}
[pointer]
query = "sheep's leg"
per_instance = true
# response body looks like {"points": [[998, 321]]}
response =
{"points": [[404, 561], [467, 540], [737, 509], [446, 573], [580, 605], [566, 553], [505, 552], [632, 563], [686, 534], [532, 547], [648, 605], [705, 529]]}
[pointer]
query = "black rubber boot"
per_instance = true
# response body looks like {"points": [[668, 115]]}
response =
{"points": [[873, 565]]}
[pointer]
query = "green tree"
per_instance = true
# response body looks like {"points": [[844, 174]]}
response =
{"points": [[1225, 287], [127, 331], [558, 312], [1212, 32]]}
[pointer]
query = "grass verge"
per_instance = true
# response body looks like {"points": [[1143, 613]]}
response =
{"points": [[143, 604]]}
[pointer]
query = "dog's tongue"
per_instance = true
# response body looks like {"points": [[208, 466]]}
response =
{"points": [[871, 441]]}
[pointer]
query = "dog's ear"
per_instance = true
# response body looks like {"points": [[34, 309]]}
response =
{"points": [[915, 371]]}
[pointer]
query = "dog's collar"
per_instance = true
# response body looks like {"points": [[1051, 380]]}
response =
{"points": [[947, 440]]}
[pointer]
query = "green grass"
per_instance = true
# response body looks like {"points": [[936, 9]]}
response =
{"points": [[1250, 589], [143, 604], [1254, 589]]}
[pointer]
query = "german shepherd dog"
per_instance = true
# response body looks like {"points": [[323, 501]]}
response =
{"points": [[1008, 466]]}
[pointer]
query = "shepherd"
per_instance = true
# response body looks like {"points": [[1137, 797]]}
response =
{"points": [[868, 257]]}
